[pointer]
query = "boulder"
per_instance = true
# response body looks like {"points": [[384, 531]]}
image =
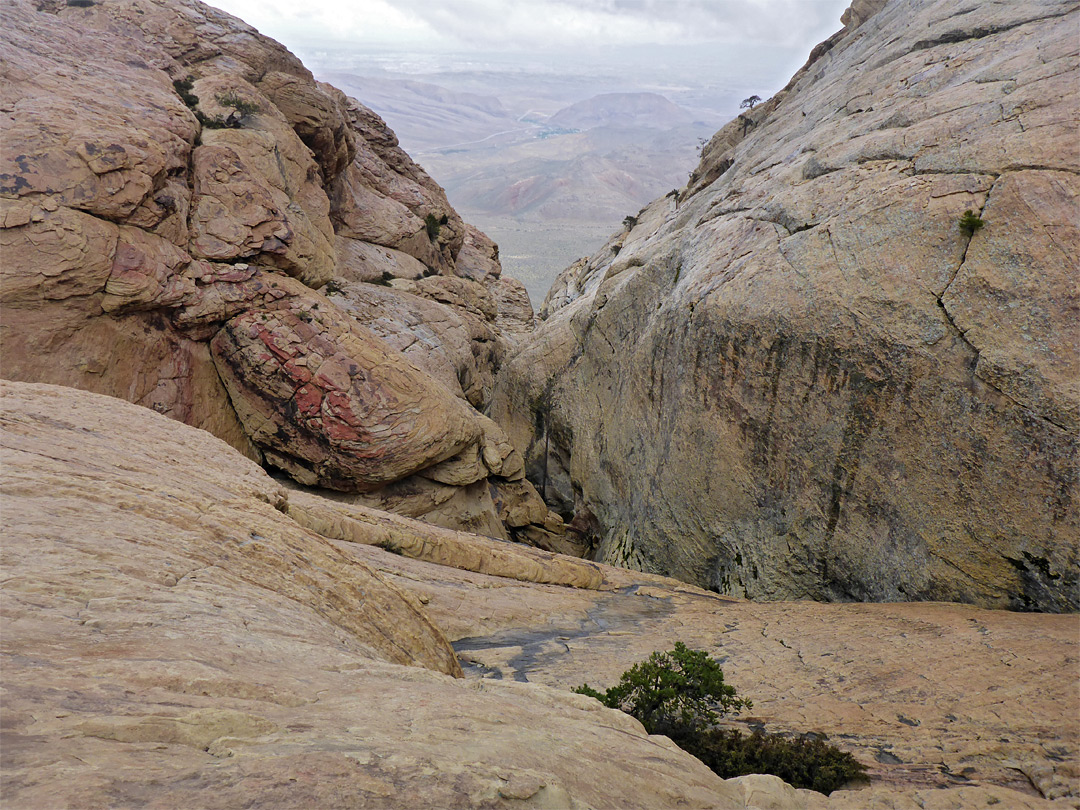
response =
{"points": [[478, 259], [329, 402], [453, 347], [514, 316], [363, 261]]}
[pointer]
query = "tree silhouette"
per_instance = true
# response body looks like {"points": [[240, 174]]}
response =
{"points": [[748, 103]]}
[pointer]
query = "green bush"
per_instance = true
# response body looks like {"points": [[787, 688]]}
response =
{"points": [[807, 762], [677, 691], [970, 222], [244, 108], [183, 89], [681, 693], [434, 225]]}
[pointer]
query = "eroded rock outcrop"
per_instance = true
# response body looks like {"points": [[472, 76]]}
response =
{"points": [[175, 190], [172, 637], [799, 377], [179, 629]]}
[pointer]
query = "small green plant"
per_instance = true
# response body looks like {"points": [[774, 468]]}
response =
{"points": [[629, 222], [680, 690], [434, 225], [242, 107], [183, 89], [970, 222]]}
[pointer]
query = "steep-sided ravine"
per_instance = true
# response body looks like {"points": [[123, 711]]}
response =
{"points": [[799, 376]]}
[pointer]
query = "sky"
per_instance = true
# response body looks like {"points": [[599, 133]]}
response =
{"points": [[532, 25]]}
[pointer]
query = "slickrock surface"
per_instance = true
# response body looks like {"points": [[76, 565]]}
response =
{"points": [[948, 705], [420, 541], [171, 638], [798, 377], [155, 254]]}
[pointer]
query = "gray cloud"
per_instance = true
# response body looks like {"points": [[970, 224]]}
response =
{"points": [[545, 24], [540, 23]]}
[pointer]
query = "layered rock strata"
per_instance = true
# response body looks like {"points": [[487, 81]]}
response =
{"points": [[175, 190], [171, 637], [180, 630], [800, 376]]}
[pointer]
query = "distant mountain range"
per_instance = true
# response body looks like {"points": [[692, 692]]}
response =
{"points": [[526, 155], [648, 110]]}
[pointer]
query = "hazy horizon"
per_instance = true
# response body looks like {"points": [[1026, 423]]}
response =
{"points": [[469, 85]]}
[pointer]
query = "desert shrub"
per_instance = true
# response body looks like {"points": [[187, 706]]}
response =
{"points": [[242, 107], [433, 225], [970, 222], [183, 89], [681, 693], [80, 3], [677, 691], [629, 222], [806, 762]]}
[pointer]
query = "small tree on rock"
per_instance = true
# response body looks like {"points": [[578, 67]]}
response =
{"points": [[748, 103], [970, 222], [676, 691]]}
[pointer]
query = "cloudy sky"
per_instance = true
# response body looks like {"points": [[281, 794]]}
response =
{"points": [[540, 24]]}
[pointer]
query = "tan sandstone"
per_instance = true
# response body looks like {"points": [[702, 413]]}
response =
{"points": [[171, 638], [140, 226], [798, 377]]}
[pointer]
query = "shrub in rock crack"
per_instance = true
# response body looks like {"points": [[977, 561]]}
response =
{"points": [[433, 225], [242, 107], [183, 89], [970, 222]]}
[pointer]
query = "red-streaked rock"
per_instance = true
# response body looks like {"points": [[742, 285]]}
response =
{"points": [[331, 403]]}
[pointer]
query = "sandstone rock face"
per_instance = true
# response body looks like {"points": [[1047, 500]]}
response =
{"points": [[203, 524], [171, 637], [165, 170], [799, 377], [385, 198]]}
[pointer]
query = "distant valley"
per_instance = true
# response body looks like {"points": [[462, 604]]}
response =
{"points": [[547, 157]]}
